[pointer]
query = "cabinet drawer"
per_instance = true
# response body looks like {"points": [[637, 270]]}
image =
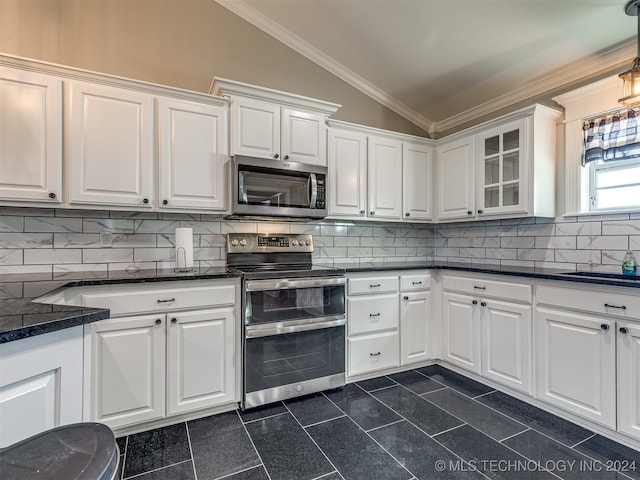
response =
{"points": [[421, 281], [593, 302], [479, 287], [374, 352], [170, 297], [359, 286], [372, 314]]}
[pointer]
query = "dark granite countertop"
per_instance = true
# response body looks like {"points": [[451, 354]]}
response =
{"points": [[21, 317]]}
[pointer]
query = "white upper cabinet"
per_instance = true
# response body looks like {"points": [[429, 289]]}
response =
{"points": [[192, 155], [500, 169], [384, 177], [456, 179], [30, 136], [347, 173], [111, 145], [417, 182], [272, 124]]}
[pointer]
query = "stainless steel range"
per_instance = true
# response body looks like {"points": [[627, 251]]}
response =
{"points": [[293, 317]]}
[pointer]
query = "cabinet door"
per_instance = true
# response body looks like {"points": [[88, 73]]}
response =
{"points": [[629, 379], [576, 364], [200, 359], [506, 346], [304, 137], [110, 146], [31, 136], [40, 384], [502, 173], [255, 128], [461, 331], [414, 337], [384, 178], [347, 187], [417, 179], [456, 179], [192, 155], [128, 370]]}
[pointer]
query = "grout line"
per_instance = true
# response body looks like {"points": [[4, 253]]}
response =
{"points": [[240, 471], [321, 422], [445, 431], [253, 444], [514, 435], [582, 441], [157, 469], [402, 419], [262, 418], [483, 395], [432, 391], [193, 460]]}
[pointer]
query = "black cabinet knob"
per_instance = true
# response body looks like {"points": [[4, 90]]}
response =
{"points": [[604, 327], [474, 302], [165, 202], [286, 157], [405, 297], [483, 304], [158, 321], [479, 212], [407, 214], [623, 330], [372, 213], [52, 195], [276, 156], [362, 212], [469, 212], [174, 320], [145, 200]]}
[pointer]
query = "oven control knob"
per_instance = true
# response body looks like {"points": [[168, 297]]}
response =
{"points": [[243, 243], [307, 242], [298, 388], [234, 243], [294, 243]]}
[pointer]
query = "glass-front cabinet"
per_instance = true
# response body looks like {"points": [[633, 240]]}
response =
{"points": [[501, 176]]}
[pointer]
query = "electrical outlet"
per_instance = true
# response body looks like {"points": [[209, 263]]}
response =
{"points": [[105, 239]]}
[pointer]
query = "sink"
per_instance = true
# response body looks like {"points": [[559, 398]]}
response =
{"points": [[611, 276]]}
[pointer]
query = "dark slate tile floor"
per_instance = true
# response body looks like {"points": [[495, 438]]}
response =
{"points": [[430, 423]]}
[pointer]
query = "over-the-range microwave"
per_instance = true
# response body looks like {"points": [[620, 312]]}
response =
{"points": [[278, 188]]}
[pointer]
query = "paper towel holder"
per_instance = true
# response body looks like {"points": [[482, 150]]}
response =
{"points": [[183, 268]]}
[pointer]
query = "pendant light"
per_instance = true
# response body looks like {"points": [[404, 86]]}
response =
{"points": [[631, 78]]}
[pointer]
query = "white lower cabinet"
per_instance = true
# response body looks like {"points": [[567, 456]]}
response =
{"points": [[415, 310], [41, 384], [628, 338], [487, 328], [576, 364], [155, 365]]}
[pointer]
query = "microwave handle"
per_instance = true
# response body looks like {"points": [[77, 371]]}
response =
{"points": [[313, 183]]}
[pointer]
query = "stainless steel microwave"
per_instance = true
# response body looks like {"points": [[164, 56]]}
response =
{"points": [[278, 188]]}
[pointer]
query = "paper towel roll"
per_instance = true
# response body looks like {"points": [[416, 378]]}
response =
{"points": [[184, 248]]}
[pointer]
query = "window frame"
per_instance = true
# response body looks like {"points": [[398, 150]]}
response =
{"points": [[592, 170]]}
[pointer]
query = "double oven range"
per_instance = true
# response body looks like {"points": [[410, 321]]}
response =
{"points": [[293, 317]]}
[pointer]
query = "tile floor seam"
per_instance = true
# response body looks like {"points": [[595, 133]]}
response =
{"points": [[582, 441], [239, 471], [193, 460], [253, 444], [402, 419], [327, 474], [432, 391], [425, 375], [321, 422], [312, 439], [262, 418], [484, 394], [157, 469], [514, 435]]}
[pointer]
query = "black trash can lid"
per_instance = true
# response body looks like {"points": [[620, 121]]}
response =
{"points": [[86, 451]]}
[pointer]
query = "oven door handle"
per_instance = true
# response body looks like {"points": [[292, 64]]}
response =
{"points": [[280, 328], [286, 283]]}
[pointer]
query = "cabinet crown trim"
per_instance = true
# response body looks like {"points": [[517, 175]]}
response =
{"points": [[366, 130], [226, 87]]}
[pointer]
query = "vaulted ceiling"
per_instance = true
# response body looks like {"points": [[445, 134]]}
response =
{"points": [[441, 63]]}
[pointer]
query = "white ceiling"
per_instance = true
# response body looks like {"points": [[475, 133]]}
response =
{"points": [[441, 63]]}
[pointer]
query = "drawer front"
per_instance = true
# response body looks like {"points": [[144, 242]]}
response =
{"points": [[420, 281], [592, 302], [359, 286], [372, 314], [125, 302], [374, 352], [518, 292]]}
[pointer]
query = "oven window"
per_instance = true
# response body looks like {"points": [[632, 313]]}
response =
{"points": [[269, 306], [264, 187], [292, 358]]}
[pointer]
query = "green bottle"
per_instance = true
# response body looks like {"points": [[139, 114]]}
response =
{"points": [[629, 264]]}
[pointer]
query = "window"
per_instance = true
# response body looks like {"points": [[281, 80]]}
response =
{"points": [[611, 160]]}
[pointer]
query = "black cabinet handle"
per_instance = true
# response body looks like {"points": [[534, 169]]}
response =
{"points": [[483, 304], [623, 330], [174, 320], [469, 212], [375, 354], [604, 327], [276, 156], [158, 322], [374, 285], [361, 212], [167, 300], [165, 202], [416, 283], [374, 314], [479, 288], [145, 200], [52, 195], [372, 213], [480, 212], [621, 307], [407, 214], [286, 157], [405, 297], [474, 302]]}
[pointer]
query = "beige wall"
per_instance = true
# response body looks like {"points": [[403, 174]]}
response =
{"points": [[182, 43]]}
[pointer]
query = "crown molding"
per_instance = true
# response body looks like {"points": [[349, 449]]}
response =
{"points": [[581, 70], [251, 15]]}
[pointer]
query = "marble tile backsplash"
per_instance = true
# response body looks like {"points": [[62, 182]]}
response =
{"points": [[66, 243]]}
